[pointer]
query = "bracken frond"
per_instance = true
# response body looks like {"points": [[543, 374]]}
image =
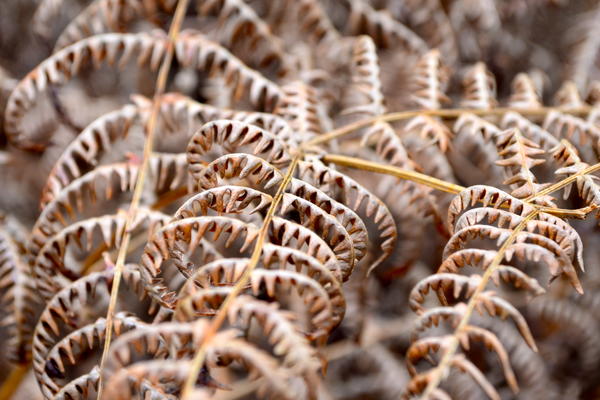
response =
{"points": [[196, 205]]}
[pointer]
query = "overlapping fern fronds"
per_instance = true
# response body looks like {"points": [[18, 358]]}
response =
{"points": [[300, 200]]}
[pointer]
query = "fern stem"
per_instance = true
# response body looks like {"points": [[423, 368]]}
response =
{"points": [[161, 84], [440, 370], [95, 261], [219, 318], [401, 173], [453, 188], [444, 113], [13, 381], [170, 197], [565, 182]]}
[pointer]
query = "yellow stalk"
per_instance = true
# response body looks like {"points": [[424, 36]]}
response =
{"points": [[219, 318], [169, 197], [444, 186], [161, 84], [565, 182], [439, 372], [13, 381], [444, 113], [401, 173]]}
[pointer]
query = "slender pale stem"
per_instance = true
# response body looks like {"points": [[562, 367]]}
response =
{"points": [[439, 372], [565, 182], [444, 113], [219, 318], [13, 381], [444, 186], [95, 262], [161, 84], [401, 173], [170, 197]]}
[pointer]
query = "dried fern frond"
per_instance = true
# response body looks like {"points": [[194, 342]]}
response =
{"points": [[300, 107], [366, 83], [17, 289], [572, 128], [192, 50], [244, 32], [518, 156], [566, 155], [431, 81], [386, 31], [359, 198], [109, 16], [101, 185], [460, 295], [61, 335], [234, 135], [67, 63], [224, 350], [480, 88], [568, 96], [530, 130], [524, 94], [226, 160], [51, 267], [277, 325]]}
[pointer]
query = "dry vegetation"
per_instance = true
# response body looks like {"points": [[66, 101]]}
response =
{"points": [[299, 199]]}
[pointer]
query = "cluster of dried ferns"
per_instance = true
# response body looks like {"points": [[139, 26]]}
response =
{"points": [[299, 199]]}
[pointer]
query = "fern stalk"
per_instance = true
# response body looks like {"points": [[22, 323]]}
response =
{"points": [[13, 381], [453, 188], [219, 318], [161, 84], [440, 371], [169, 198], [565, 182], [401, 173], [95, 260], [443, 113]]}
